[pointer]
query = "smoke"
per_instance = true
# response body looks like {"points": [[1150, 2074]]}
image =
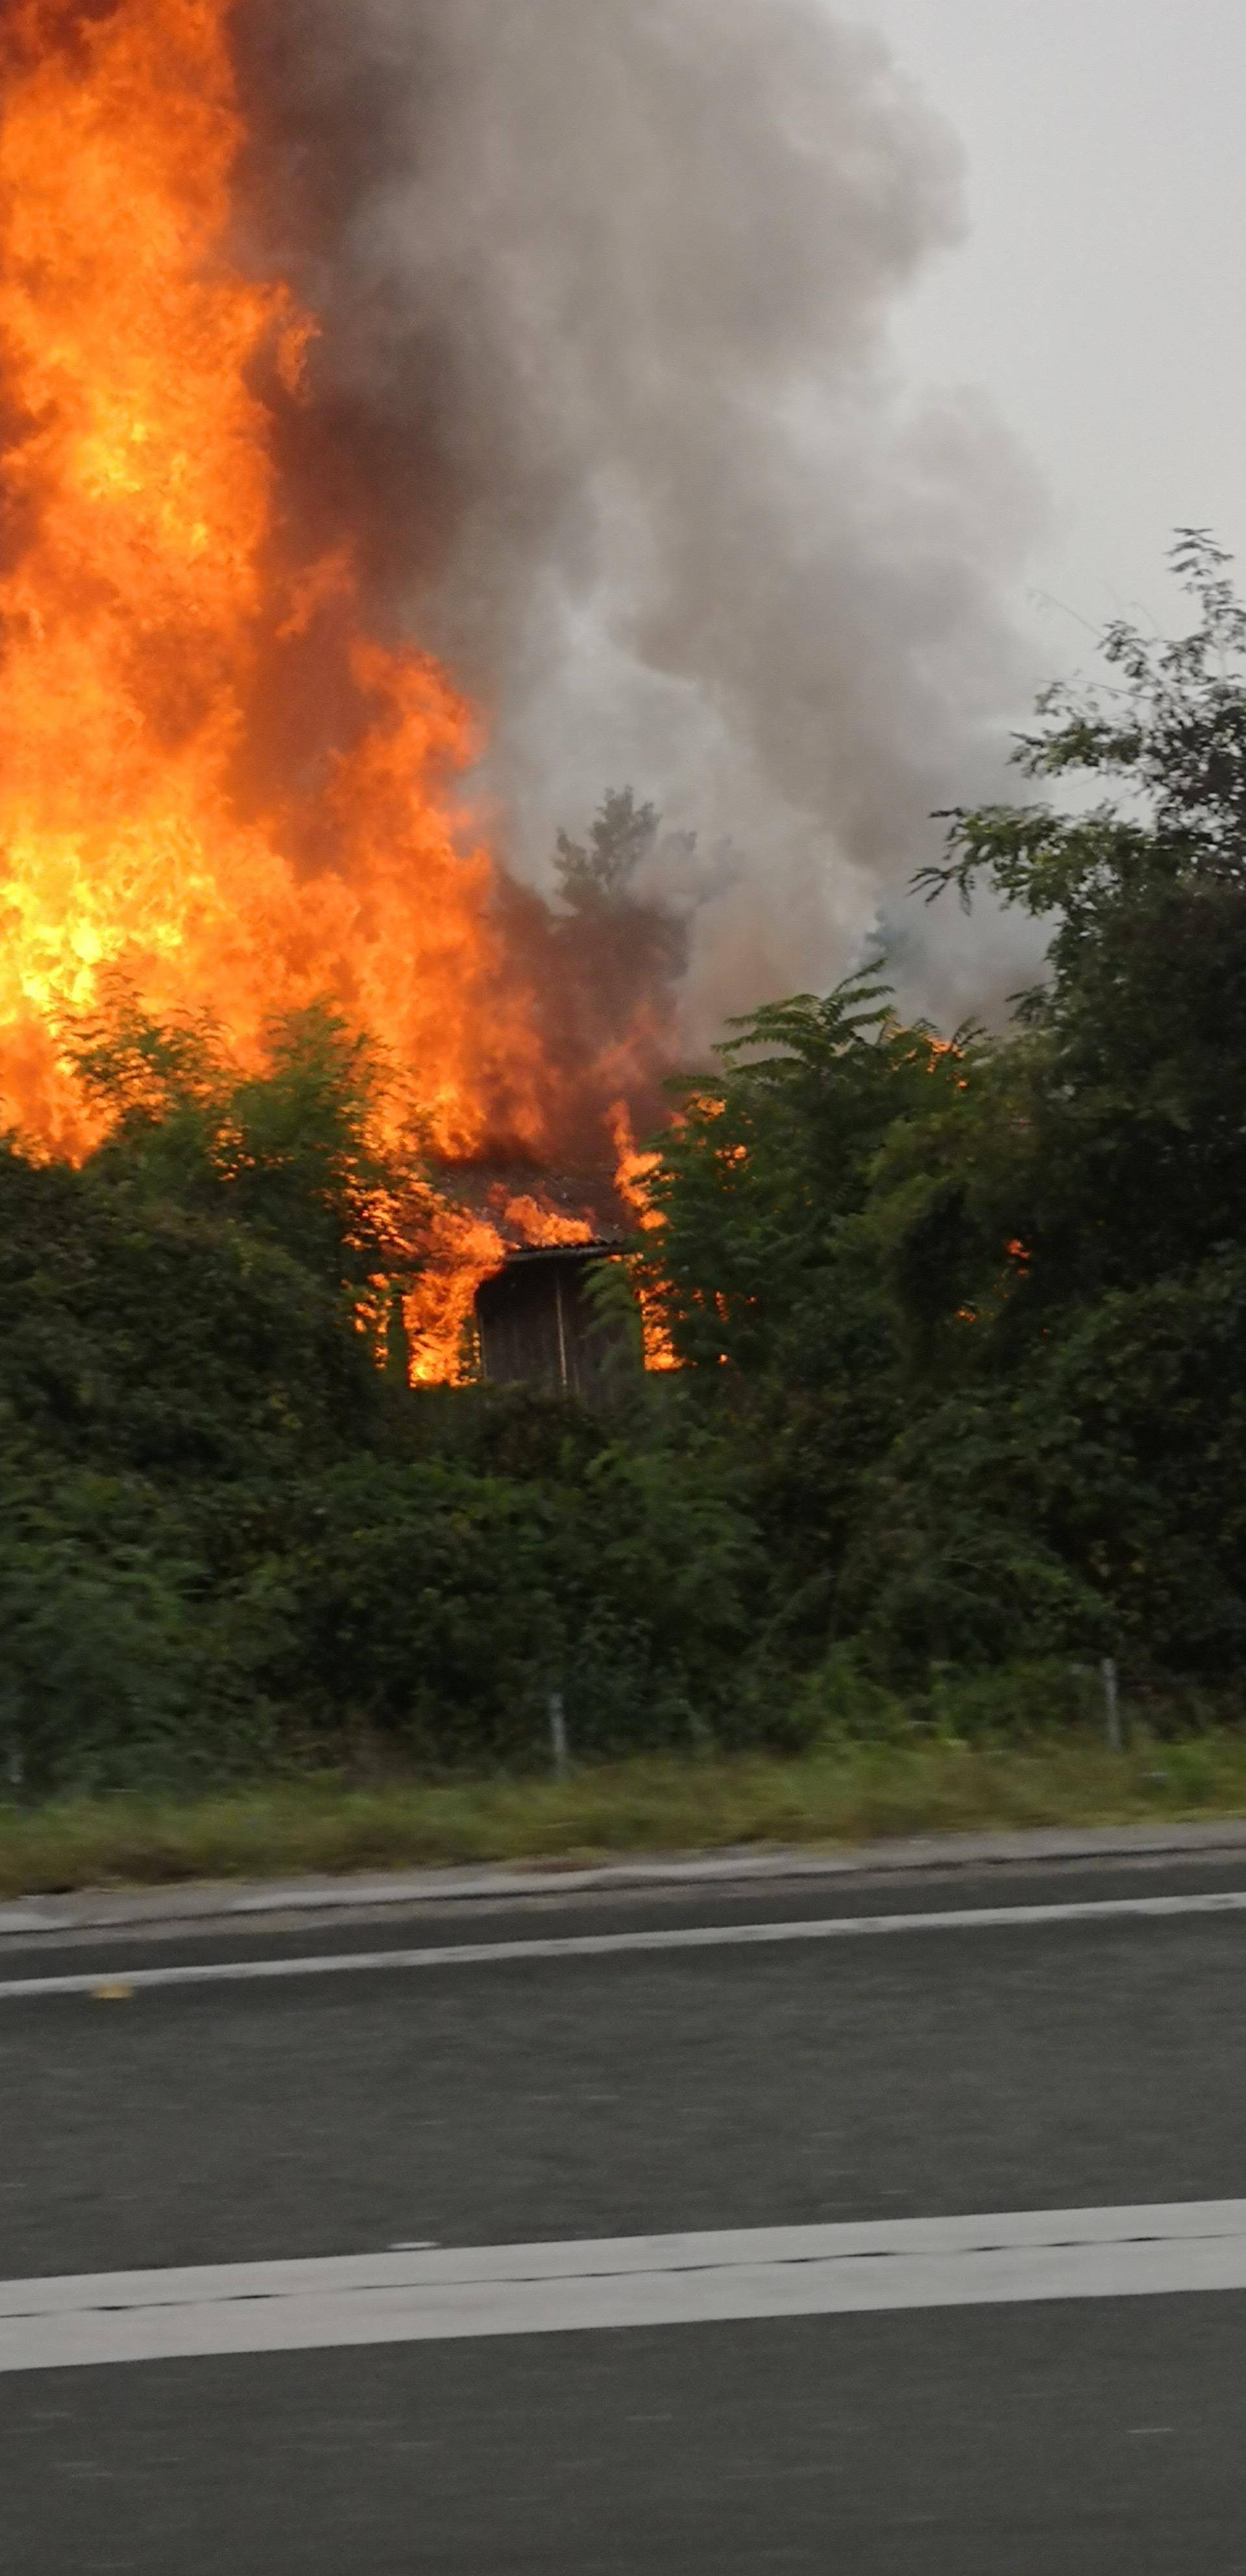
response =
{"points": [[604, 388]]}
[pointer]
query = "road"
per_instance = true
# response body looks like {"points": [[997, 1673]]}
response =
{"points": [[544, 2103]]}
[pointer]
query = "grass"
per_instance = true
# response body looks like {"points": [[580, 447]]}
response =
{"points": [[840, 1794]]}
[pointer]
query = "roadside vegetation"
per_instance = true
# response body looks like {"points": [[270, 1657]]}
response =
{"points": [[837, 1795], [961, 1408]]}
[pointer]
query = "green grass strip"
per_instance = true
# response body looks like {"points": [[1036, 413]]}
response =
{"points": [[840, 1794]]}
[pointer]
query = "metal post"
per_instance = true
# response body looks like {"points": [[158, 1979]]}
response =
{"points": [[1112, 1703], [558, 1735], [563, 1370]]}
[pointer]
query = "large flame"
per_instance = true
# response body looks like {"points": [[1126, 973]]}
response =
{"points": [[151, 614]]}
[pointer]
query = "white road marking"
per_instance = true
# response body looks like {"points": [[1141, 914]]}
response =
{"points": [[605, 1945], [625, 2281]]}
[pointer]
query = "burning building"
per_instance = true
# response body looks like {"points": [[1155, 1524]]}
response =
{"points": [[539, 1324]]}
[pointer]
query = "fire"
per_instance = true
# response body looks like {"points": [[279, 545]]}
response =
{"points": [[467, 1249], [438, 1312], [633, 1172], [214, 782], [151, 617]]}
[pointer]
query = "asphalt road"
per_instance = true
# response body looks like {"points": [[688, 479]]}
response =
{"points": [[518, 2103]]}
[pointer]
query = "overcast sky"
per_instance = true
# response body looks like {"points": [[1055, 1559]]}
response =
{"points": [[1100, 299]]}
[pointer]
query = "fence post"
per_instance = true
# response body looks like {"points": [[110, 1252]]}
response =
{"points": [[1112, 1704], [558, 1735]]}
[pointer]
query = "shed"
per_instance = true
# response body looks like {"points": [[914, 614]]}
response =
{"points": [[541, 1326]]}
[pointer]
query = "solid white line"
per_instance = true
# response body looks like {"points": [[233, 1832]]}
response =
{"points": [[628, 2281], [605, 1945]]}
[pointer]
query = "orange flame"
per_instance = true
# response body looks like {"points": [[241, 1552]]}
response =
{"points": [[148, 621], [633, 1172], [466, 1249]]}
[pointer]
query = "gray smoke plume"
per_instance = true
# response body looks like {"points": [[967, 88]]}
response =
{"points": [[606, 287]]}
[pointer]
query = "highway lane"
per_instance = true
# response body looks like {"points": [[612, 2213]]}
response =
{"points": [[526, 2103]]}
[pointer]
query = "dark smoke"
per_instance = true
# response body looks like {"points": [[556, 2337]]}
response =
{"points": [[604, 387]]}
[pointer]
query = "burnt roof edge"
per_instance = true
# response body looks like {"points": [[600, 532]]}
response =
{"points": [[601, 1247]]}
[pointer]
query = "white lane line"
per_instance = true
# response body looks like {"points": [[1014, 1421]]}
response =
{"points": [[626, 2281], [606, 1945]]}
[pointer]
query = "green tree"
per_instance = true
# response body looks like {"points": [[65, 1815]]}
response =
{"points": [[1067, 1248], [763, 1262], [1127, 1110], [290, 1148], [768, 1274]]}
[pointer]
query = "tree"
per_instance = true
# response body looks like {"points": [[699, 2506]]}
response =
{"points": [[1128, 1111], [982, 1305], [601, 875], [306, 1147], [768, 1277], [1069, 1248], [766, 1175]]}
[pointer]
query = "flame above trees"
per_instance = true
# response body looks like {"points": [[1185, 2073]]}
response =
{"points": [[152, 617]]}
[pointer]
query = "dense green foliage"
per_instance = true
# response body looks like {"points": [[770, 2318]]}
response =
{"points": [[986, 1309], [963, 1332], [229, 1536]]}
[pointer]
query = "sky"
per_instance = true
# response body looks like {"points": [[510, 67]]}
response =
{"points": [[1099, 300]]}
